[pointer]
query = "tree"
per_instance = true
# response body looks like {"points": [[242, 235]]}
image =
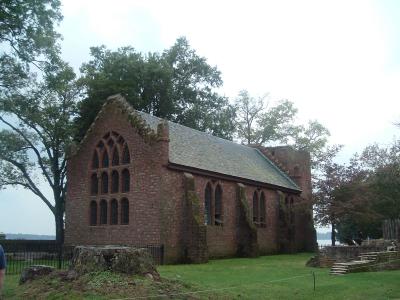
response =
{"points": [[314, 139], [27, 37], [328, 208], [39, 130], [177, 85], [36, 101], [259, 124]]}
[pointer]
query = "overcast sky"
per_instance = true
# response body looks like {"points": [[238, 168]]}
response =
{"points": [[338, 61]]}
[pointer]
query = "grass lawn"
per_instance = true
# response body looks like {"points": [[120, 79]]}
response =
{"points": [[282, 277], [269, 277]]}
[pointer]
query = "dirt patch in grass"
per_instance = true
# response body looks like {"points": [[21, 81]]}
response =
{"points": [[103, 285]]}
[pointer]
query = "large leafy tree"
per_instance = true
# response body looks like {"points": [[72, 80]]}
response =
{"points": [[37, 94], [260, 124], [38, 121], [177, 84]]}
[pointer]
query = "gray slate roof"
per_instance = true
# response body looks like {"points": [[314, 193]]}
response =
{"points": [[193, 148]]}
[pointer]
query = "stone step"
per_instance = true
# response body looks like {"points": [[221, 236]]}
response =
{"points": [[337, 273]]}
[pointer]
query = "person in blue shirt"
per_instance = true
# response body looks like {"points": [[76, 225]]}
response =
{"points": [[2, 267]]}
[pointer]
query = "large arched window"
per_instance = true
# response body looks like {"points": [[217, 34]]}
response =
{"points": [[114, 212], [124, 211], [126, 179], [126, 158], [95, 160], [104, 183], [94, 184], [114, 182], [262, 210], [207, 204], [110, 151], [115, 157], [103, 212], [104, 161], [218, 206], [93, 213], [255, 208]]}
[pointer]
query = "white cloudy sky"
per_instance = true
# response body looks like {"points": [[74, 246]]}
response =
{"points": [[338, 61]]}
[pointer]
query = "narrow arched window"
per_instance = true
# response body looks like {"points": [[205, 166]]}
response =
{"points": [[103, 212], [93, 213], [124, 211], [115, 157], [104, 183], [114, 212], [104, 161], [218, 206], [95, 160], [262, 210], [94, 184], [255, 208], [114, 182], [126, 179], [126, 158], [207, 204]]}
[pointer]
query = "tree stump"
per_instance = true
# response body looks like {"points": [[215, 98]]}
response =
{"points": [[133, 261]]}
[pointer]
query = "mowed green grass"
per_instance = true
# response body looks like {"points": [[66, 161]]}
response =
{"points": [[268, 277], [282, 277]]}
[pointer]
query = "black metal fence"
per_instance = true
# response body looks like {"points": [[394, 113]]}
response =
{"points": [[24, 253]]}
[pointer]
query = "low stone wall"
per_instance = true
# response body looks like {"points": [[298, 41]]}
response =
{"points": [[346, 253]]}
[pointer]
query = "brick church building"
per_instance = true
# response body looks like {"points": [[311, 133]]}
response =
{"points": [[136, 179]]}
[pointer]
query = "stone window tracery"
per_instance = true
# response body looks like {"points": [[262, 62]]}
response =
{"points": [[108, 176]]}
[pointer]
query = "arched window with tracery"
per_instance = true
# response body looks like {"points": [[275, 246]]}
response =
{"points": [[263, 211], [114, 212], [114, 182], [218, 206], [256, 212], [124, 211], [126, 179], [103, 212], [94, 184], [104, 183], [207, 204], [109, 153], [93, 213]]}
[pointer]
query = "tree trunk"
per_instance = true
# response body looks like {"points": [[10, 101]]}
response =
{"points": [[333, 235], [59, 220]]}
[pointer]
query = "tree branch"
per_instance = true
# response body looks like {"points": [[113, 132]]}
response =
{"points": [[32, 185], [39, 157]]}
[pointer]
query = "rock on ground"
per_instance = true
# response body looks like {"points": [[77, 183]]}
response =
{"points": [[34, 272]]}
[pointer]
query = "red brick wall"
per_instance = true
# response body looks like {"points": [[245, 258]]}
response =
{"points": [[156, 198], [145, 175]]}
